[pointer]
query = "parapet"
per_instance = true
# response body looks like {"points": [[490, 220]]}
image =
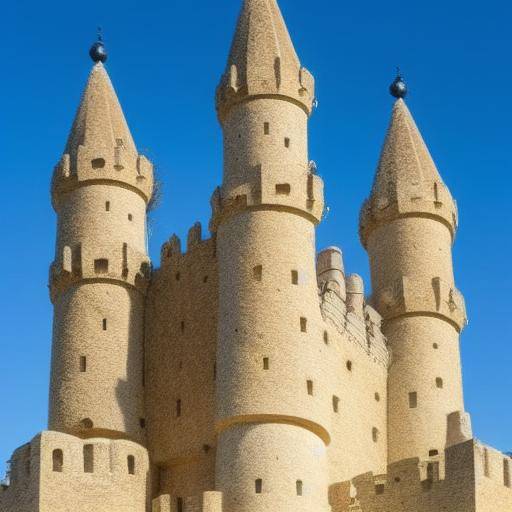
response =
{"points": [[455, 481], [171, 251], [430, 200], [57, 469], [342, 303], [432, 296], [82, 263], [302, 193], [110, 165]]}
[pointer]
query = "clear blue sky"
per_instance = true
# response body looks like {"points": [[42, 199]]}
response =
{"points": [[165, 60]]}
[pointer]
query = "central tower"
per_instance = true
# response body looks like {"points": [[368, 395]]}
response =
{"points": [[272, 415]]}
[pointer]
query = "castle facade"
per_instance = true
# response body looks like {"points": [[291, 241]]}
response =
{"points": [[247, 372]]}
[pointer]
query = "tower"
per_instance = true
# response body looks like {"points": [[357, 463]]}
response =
{"points": [[272, 415], [408, 226], [100, 191]]}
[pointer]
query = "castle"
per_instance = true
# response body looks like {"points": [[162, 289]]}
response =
{"points": [[247, 373]]}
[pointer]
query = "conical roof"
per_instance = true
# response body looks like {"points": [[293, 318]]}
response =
{"points": [[263, 60], [407, 181], [99, 123]]}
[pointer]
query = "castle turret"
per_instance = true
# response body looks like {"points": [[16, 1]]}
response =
{"points": [[100, 191], [408, 227], [273, 407]]}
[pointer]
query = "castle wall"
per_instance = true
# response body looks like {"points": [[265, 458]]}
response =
{"points": [[61, 473], [181, 338], [468, 477]]}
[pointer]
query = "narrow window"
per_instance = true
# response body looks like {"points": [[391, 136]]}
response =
{"points": [[439, 383], [286, 142], [375, 434], [310, 387], [377, 397], [266, 128], [486, 463], [131, 464], [298, 486], [83, 364], [326, 337], [295, 277], [104, 324], [177, 276], [58, 461], [265, 363], [303, 324], [214, 371], [435, 345], [98, 163], [506, 472], [349, 366], [130, 217], [413, 400], [379, 489], [283, 189], [433, 453], [178, 408], [179, 504], [205, 279], [107, 206], [258, 485], [142, 422], [257, 272], [101, 266], [88, 458], [182, 326], [335, 403]]}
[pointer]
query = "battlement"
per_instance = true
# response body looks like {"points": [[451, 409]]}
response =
{"points": [[342, 304], [419, 199], [81, 263], [450, 481], [117, 166], [300, 192], [171, 252], [56, 469], [434, 297]]}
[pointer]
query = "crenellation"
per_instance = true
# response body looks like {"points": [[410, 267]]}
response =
{"points": [[430, 296]]}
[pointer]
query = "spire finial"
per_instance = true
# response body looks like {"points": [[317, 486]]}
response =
{"points": [[98, 53], [398, 88]]}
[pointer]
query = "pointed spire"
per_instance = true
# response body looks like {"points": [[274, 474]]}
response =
{"points": [[407, 181], [263, 60], [100, 145], [100, 123]]}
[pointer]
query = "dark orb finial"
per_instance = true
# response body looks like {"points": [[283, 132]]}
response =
{"points": [[398, 88], [98, 51]]}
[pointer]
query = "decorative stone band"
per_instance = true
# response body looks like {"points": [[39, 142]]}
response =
{"points": [[77, 264], [429, 200], [118, 166], [431, 297], [299, 89], [317, 429], [302, 195]]}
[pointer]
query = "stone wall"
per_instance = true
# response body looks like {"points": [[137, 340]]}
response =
{"points": [[58, 472]]}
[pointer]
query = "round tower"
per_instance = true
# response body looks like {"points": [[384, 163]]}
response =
{"points": [[100, 191], [272, 401], [408, 227]]}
